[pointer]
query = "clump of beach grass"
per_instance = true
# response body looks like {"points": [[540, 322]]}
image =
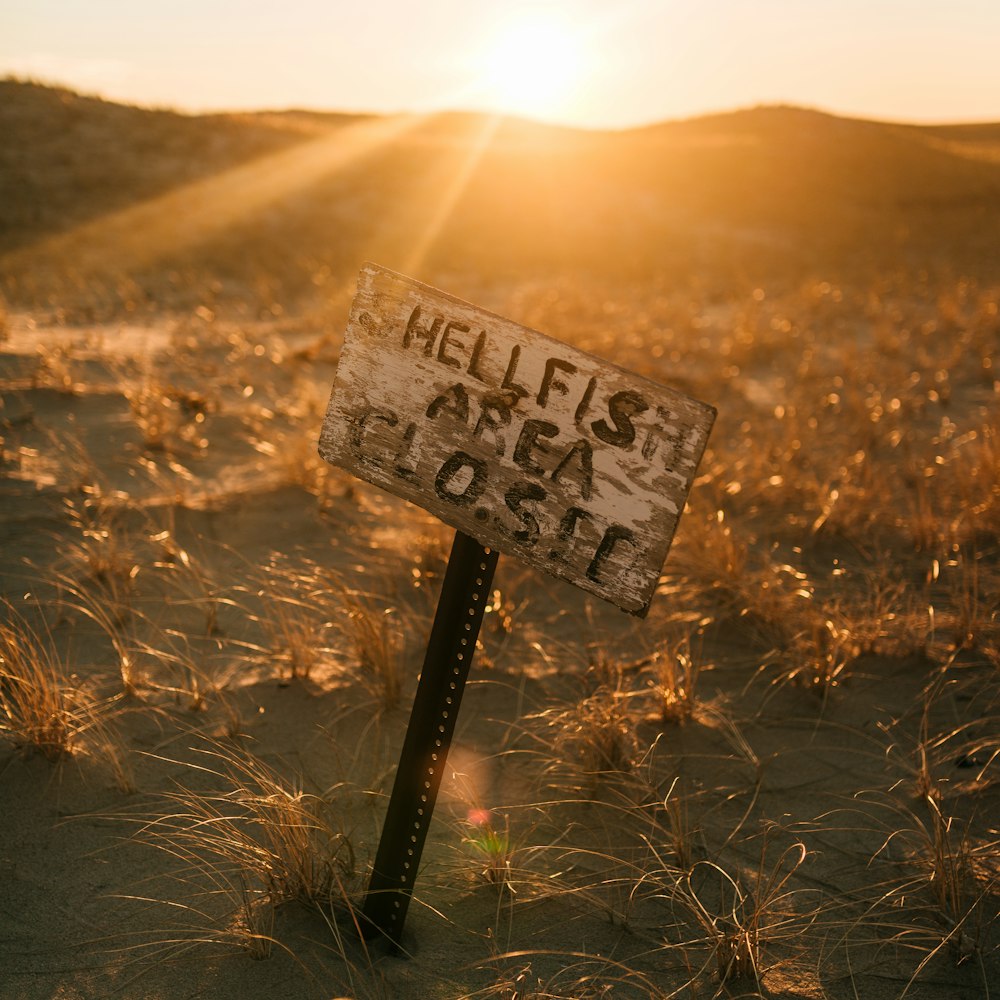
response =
{"points": [[44, 707], [249, 845]]}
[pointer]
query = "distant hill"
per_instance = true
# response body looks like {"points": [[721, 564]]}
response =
{"points": [[126, 207], [66, 158]]}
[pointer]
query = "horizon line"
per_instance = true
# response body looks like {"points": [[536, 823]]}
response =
{"points": [[209, 111]]}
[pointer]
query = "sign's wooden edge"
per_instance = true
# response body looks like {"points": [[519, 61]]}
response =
{"points": [[644, 610]]}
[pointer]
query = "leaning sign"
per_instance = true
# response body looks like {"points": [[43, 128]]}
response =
{"points": [[525, 446], [530, 446]]}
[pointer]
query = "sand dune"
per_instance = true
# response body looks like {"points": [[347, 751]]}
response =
{"points": [[783, 783]]}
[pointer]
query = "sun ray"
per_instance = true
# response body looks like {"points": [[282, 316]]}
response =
{"points": [[189, 216], [446, 205]]}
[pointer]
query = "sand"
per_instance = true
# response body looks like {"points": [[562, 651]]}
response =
{"points": [[782, 783]]}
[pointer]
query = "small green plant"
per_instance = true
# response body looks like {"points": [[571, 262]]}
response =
{"points": [[491, 845]]}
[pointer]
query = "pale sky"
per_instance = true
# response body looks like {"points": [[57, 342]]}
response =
{"points": [[598, 63]]}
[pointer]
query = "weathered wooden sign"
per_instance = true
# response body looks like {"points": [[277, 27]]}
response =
{"points": [[528, 445], [524, 445]]}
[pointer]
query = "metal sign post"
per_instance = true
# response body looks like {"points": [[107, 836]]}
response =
{"points": [[450, 649]]}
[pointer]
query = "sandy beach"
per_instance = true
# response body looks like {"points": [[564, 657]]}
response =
{"points": [[781, 783]]}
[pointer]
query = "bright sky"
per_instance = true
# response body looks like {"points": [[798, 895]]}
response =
{"points": [[583, 62]]}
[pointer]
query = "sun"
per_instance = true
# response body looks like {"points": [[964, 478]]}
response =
{"points": [[534, 66]]}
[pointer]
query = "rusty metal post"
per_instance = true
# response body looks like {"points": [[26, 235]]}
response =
{"points": [[450, 650]]}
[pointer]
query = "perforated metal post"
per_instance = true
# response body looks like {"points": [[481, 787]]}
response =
{"points": [[450, 649]]}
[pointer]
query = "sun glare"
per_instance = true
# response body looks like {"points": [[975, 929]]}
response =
{"points": [[534, 66]]}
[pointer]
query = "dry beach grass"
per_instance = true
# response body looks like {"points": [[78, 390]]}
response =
{"points": [[783, 783]]}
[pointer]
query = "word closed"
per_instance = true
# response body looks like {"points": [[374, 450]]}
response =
{"points": [[528, 445]]}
